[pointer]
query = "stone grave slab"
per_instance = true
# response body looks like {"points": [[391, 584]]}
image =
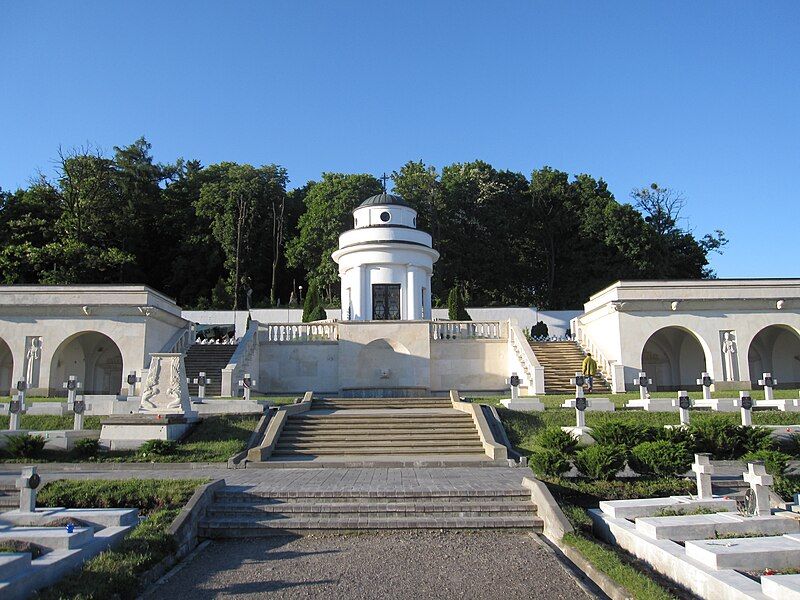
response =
{"points": [[594, 405], [523, 404], [653, 405], [781, 587], [700, 527], [52, 538], [719, 404], [12, 563], [48, 408], [649, 507], [747, 554], [783, 404], [98, 518]]}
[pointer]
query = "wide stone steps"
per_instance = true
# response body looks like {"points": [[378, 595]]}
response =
{"points": [[209, 359], [377, 449], [561, 360], [244, 514], [348, 436]]}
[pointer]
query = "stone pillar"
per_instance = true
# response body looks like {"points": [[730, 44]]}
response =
{"points": [[413, 308], [361, 311], [704, 470]]}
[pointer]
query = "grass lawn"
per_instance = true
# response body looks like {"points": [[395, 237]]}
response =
{"points": [[215, 439], [116, 573], [619, 400]]}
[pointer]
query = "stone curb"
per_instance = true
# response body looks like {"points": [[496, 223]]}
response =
{"points": [[185, 526]]}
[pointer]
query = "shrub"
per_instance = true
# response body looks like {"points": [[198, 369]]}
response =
{"points": [[25, 446], [677, 435], [725, 440], [555, 438], [553, 463], [626, 435], [158, 448], [786, 486], [86, 448], [456, 309], [774, 461], [600, 462], [312, 304], [660, 459], [791, 445]]}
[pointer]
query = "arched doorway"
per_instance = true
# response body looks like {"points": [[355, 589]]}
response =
{"points": [[93, 358], [776, 350], [673, 358], [6, 368]]}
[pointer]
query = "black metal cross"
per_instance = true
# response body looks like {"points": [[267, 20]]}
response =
{"points": [[384, 179]]}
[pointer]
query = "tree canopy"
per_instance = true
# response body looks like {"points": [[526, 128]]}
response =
{"points": [[231, 235]]}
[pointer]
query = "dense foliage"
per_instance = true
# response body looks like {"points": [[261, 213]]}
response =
{"points": [[230, 235]]}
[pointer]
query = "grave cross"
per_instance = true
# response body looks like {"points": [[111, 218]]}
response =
{"points": [[78, 406], [246, 383], [704, 470], [202, 381], [17, 406], [514, 382], [581, 404], [760, 483], [27, 484], [746, 404], [132, 380], [768, 382], [706, 381], [684, 403], [578, 382], [642, 381]]}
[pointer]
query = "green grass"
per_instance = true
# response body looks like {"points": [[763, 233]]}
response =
{"points": [[215, 439], [50, 422], [117, 573], [619, 400], [612, 562]]}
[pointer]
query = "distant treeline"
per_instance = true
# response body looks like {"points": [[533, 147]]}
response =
{"points": [[211, 235]]}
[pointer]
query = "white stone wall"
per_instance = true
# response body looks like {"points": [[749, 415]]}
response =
{"points": [[469, 365]]}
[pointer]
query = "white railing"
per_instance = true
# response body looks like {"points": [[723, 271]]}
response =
{"points": [[300, 332], [243, 360], [612, 371], [466, 330], [521, 353], [180, 341]]}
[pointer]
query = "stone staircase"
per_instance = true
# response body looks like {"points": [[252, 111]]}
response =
{"points": [[260, 513], [379, 429], [9, 497], [210, 359], [561, 360]]}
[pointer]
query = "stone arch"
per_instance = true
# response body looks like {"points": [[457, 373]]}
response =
{"points": [[673, 357], [6, 368], [385, 363], [775, 349], [92, 357]]}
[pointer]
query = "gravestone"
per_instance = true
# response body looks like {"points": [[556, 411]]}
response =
{"points": [[684, 403], [760, 483], [132, 380], [27, 484], [746, 404], [769, 383], [246, 384], [201, 381], [514, 382], [706, 381], [16, 407], [643, 382], [704, 470], [78, 406], [578, 381]]}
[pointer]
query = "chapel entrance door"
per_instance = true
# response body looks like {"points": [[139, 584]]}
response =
{"points": [[386, 301]]}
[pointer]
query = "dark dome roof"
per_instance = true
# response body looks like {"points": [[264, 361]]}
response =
{"points": [[382, 199]]}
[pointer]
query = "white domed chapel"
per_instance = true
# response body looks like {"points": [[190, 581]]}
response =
{"points": [[385, 263]]}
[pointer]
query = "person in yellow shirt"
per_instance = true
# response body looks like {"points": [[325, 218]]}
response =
{"points": [[589, 370]]}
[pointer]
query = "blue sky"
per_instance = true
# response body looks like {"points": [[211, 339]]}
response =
{"points": [[699, 96]]}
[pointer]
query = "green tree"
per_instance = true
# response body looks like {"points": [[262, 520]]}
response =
{"points": [[456, 308], [329, 206], [313, 309]]}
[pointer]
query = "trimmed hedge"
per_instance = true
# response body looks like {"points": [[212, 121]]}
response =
{"points": [[600, 462]]}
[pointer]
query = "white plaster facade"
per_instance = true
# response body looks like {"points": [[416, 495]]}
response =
{"points": [[674, 330], [98, 333], [385, 249]]}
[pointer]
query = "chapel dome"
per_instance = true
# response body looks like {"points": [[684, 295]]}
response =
{"points": [[384, 199]]}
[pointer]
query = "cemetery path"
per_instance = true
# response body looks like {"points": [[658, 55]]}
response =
{"points": [[424, 564]]}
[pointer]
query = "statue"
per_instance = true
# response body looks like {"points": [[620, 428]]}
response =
{"points": [[32, 356], [165, 389], [729, 352]]}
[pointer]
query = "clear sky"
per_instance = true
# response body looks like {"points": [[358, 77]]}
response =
{"points": [[699, 96]]}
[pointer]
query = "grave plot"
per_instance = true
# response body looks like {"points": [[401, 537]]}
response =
{"points": [[40, 546], [711, 545]]}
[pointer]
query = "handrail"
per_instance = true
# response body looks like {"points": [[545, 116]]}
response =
{"points": [[322, 331], [456, 330], [180, 341], [241, 360], [610, 370], [527, 359]]}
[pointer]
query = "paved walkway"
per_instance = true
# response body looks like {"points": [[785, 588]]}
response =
{"points": [[334, 480], [418, 565]]}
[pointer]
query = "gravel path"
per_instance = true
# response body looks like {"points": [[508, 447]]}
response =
{"points": [[485, 565]]}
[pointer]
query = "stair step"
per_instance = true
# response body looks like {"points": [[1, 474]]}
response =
{"points": [[379, 449], [383, 509], [375, 443], [399, 495]]}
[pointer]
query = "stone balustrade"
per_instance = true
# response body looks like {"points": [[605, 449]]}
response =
{"points": [[466, 330], [299, 332]]}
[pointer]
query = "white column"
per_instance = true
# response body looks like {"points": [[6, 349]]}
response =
{"points": [[413, 295], [360, 308]]}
